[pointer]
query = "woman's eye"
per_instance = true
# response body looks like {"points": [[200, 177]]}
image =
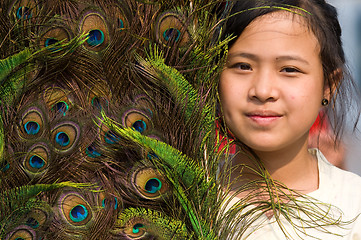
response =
{"points": [[242, 66], [290, 70]]}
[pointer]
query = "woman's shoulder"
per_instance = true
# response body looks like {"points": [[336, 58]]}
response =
{"points": [[337, 186], [335, 174]]}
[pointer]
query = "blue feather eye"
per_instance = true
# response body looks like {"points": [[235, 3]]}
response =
{"points": [[60, 107], [36, 218], [23, 13], [97, 31], [76, 210], [92, 152], [149, 183], [53, 42], [137, 120], [62, 139], [37, 159], [153, 185], [140, 126], [33, 223], [95, 37], [4, 166], [171, 34], [78, 213], [50, 41], [36, 162], [54, 38], [106, 202], [31, 124], [96, 103], [31, 128], [151, 155], [65, 136], [171, 28], [111, 138], [24, 233], [120, 24], [57, 100], [137, 227]]}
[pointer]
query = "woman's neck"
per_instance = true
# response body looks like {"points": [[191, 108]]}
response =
{"points": [[294, 167]]}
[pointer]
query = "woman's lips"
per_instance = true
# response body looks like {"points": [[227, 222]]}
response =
{"points": [[264, 118]]}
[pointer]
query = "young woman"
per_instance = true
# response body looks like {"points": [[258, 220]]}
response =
{"points": [[284, 66]]}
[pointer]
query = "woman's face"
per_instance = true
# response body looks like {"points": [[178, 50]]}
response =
{"points": [[272, 85]]}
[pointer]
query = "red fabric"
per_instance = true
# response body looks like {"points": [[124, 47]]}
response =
{"points": [[223, 140], [319, 126]]}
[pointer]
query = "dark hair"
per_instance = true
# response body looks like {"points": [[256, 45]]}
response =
{"points": [[323, 21]]}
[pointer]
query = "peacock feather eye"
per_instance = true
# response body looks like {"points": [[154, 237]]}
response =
{"points": [[24, 9], [122, 21], [95, 37], [149, 183], [60, 107], [36, 218], [110, 137], [50, 41], [171, 29], [139, 126], [78, 213], [56, 100], [137, 120], [4, 166], [153, 185], [65, 136], [107, 201], [36, 161], [23, 12], [98, 95], [151, 155], [120, 24], [53, 38], [92, 151], [143, 102], [51, 44], [62, 138], [75, 210], [32, 124], [94, 25], [22, 233], [96, 103], [135, 229], [31, 127], [171, 34], [32, 222]]}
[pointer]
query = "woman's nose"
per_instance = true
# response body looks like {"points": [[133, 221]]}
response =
{"points": [[264, 87]]}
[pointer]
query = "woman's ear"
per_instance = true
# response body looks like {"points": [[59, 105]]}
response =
{"points": [[332, 83]]}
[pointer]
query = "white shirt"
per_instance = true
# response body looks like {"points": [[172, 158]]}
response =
{"points": [[340, 188]]}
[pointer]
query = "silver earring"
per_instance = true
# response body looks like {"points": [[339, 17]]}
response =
{"points": [[324, 102]]}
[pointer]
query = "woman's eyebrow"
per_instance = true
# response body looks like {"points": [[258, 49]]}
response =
{"points": [[244, 55], [292, 58], [279, 58]]}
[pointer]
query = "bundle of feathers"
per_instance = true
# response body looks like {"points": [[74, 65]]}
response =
{"points": [[107, 119]]}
